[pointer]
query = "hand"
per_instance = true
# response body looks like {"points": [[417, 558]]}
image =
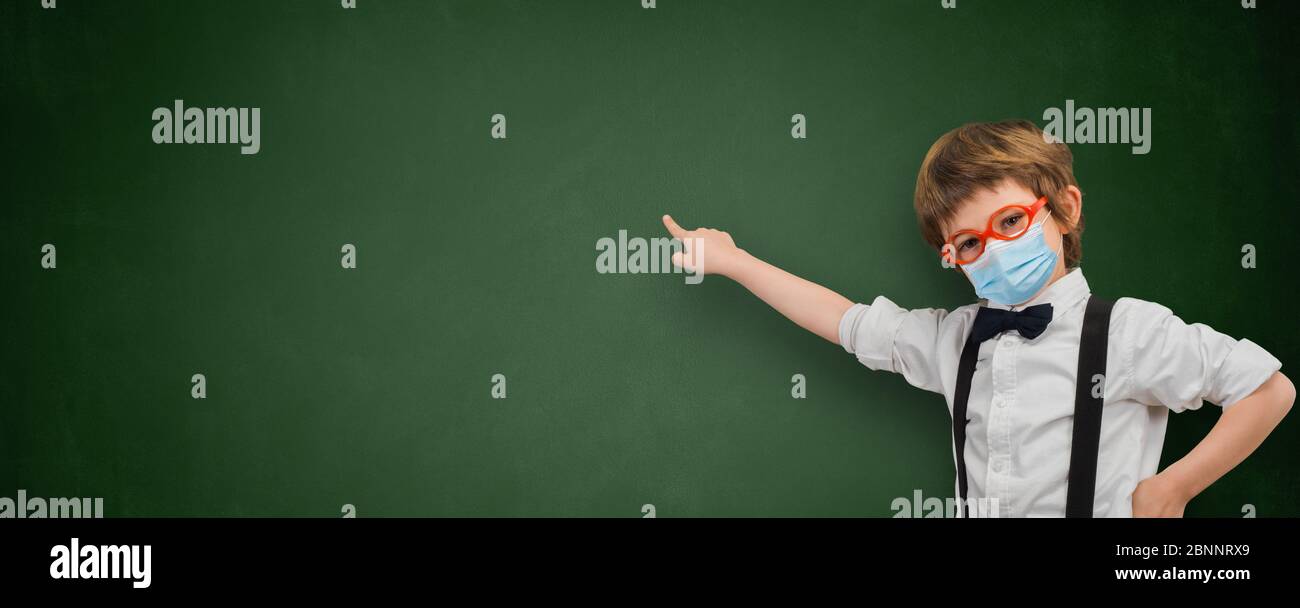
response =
{"points": [[704, 249], [1158, 496]]}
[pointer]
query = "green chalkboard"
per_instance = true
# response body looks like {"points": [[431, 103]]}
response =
{"points": [[373, 386]]}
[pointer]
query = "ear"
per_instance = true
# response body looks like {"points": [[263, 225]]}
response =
{"points": [[1070, 207]]}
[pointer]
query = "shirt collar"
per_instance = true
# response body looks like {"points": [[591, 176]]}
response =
{"points": [[1067, 290]]}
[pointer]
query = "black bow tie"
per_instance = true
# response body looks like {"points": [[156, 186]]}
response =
{"points": [[1030, 322]]}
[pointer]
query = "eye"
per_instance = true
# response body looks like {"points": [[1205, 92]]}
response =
{"points": [[1012, 222], [967, 244]]}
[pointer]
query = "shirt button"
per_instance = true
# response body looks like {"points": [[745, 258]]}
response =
{"points": [[999, 402], [1006, 344], [997, 466]]}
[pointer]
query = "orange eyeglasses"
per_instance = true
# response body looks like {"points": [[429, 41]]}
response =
{"points": [[1006, 224]]}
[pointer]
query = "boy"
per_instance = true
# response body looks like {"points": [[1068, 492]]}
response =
{"points": [[1060, 399]]}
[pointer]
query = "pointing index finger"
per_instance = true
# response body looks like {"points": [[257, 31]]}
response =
{"points": [[673, 228]]}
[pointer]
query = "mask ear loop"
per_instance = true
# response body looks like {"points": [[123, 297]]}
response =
{"points": [[1047, 215], [1060, 251]]}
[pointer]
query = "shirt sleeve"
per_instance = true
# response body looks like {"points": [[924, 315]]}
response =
{"points": [[886, 337], [1179, 365]]}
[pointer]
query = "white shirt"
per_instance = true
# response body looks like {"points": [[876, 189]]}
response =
{"points": [[1021, 403]]}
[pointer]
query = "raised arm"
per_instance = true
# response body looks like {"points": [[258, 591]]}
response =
{"points": [[811, 306]]}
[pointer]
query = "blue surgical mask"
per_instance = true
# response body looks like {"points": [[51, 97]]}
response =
{"points": [[1011, 272]]}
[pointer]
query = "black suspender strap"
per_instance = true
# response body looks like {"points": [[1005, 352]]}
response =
{"points": [[965, 369], [1082, 482]]}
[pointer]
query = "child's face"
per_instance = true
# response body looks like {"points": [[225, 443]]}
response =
{"points": [[974, 214]]}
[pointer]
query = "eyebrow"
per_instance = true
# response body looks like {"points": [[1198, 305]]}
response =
{"points": [[954, 229]]}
